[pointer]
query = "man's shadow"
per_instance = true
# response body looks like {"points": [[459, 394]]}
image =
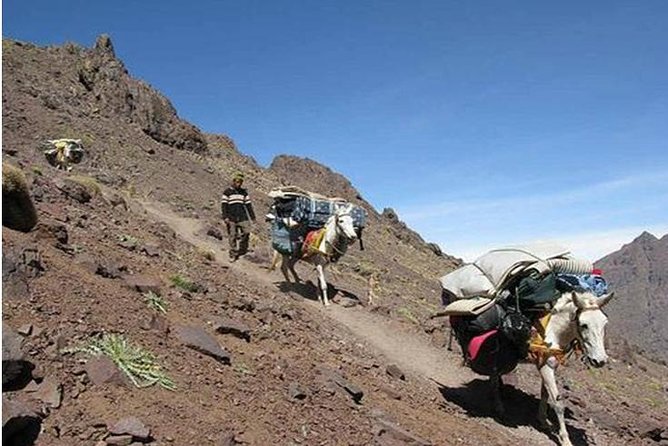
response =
{"points": [[521, 408]]}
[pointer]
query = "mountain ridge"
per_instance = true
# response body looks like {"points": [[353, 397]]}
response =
{"points": [[255, 361]]}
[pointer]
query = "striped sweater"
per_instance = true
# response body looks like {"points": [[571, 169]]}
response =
{"points": [[236, 205]]}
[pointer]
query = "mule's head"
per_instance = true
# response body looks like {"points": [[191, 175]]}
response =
{"points": [[344, 222], [591, 322]]}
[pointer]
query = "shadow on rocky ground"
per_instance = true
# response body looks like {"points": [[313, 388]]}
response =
{"points": [[521, 407]]}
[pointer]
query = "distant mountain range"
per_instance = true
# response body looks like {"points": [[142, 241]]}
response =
{"points": [[638, 273]]}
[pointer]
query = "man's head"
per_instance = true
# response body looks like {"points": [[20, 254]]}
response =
{"points": [[237, 179]]}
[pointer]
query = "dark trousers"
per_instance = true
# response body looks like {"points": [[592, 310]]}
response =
{"points": [[238, 234]]}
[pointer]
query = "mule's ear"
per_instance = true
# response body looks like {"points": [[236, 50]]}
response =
{"points": [[579, 300], [604, 299]]}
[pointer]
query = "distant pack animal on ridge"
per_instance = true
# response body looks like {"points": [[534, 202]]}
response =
{"points": [[64, 152]]}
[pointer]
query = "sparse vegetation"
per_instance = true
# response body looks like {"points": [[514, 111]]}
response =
{"points": [[128, 239], [365, 268], [207, 253], [91, 184], [184, 283], [139, 365], [156, 302], [408, 314], [37, 170], [243, 369]]}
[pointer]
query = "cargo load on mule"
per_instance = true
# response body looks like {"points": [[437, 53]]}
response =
{"points": [[495, 302], [295, 212]]}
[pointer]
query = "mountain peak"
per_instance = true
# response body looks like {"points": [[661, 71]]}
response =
{"points": [[646, 237]]}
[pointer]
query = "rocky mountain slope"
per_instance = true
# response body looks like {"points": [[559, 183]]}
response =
{"points": [[129, 244], [638, 273]]}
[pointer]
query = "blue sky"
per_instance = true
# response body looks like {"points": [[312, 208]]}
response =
{"points": [[481, 123]]}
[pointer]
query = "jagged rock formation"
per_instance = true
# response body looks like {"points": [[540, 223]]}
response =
{"points": [[135, 227]]}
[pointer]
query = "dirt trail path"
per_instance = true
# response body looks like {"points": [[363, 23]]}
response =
{"points": [[411, 351]]}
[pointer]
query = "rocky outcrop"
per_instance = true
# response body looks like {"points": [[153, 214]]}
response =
{"points": [[115, 92]]}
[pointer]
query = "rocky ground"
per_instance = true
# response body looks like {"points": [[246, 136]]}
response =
{"points": [[253, 360]]}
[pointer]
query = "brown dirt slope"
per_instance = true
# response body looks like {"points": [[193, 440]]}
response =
{"points": [[254, 361]]}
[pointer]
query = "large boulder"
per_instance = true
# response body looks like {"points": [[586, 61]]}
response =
{"points": [[20, 424], [18, 210], [16, 370]]}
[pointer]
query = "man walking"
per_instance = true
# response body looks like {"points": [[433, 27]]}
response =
{"points": [[237, 213]]}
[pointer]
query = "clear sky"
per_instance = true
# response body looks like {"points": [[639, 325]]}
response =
{"points": [[482, 123]]}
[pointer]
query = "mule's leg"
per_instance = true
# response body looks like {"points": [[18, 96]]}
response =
{"points": [[291, 266], [550, 384], [542, 407], [495, 382], [284, 267], [274, 261], [323, 285]]}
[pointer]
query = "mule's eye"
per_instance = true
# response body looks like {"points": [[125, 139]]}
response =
{"points": [[583, 327]]}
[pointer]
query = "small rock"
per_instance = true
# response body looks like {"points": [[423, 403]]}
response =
{"points": [[110, 270], [131, 426], [143, 284], [31, 260], [25, 330], [102, 370], [214, 232], [198, 339], [296, 392], [228, 439], [119, 440], [117, 200], [74, 190], [128, 244], [52, 230], [151, 250], [159, 323], [50, 392], [389, 433], [390, 392], [87, 262], [226, 325], [395, 372], [346, 302], [355, 392]]}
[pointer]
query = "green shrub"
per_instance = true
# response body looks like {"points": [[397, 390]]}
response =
{"points": [[156, 302], [183, 283], [139, 365]]}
